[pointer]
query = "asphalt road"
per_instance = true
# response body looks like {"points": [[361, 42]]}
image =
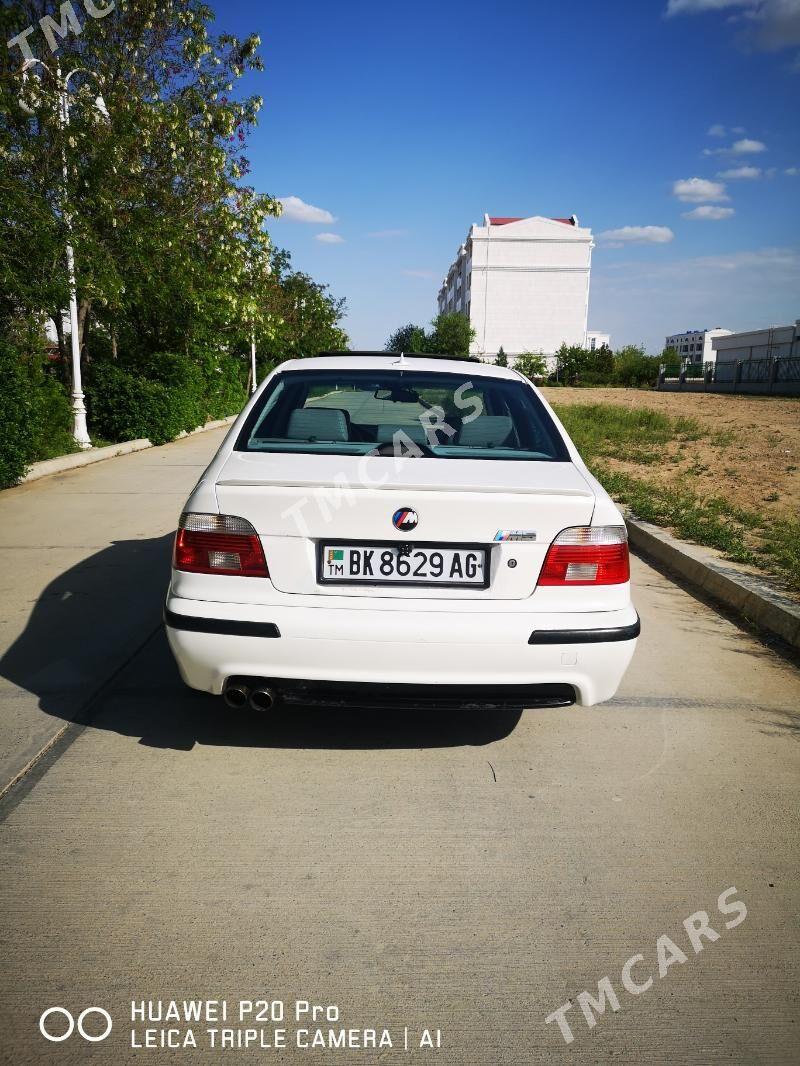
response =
{"points": [[467, 874]]}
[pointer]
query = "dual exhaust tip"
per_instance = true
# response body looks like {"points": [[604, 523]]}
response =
{"points": [[258, 699]]}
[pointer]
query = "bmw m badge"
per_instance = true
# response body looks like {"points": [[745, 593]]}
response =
{"points": [[405, 520], [515, 534]]}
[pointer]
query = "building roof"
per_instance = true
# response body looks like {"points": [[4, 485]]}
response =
{"points": [[503, 220]]}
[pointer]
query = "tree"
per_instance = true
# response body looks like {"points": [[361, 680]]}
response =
{"points": [[502, 358], [633, 368], [532, 365], [166, 235], [32, 231], [451, 335], [299, 316], [408, 338]]}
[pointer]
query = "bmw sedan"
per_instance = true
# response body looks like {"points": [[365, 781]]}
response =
{"points": [[382, 529]]}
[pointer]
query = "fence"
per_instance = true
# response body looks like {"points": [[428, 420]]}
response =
{"points": [[776, 376]]}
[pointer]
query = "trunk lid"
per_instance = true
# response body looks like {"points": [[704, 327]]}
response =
{"points": [[297, 501]]}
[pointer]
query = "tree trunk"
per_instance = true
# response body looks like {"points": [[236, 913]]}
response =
{"points": [[83, 325], [58, 319]]}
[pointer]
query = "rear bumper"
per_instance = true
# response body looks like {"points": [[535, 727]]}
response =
{"points": [[215, 641]]}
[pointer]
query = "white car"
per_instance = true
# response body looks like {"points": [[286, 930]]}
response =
{"points": [[383, 530]]}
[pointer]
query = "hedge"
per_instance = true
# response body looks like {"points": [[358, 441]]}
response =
{"points": [[161, 395], [35, 413]]}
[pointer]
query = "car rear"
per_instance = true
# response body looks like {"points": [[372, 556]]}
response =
{"points": [[383, 529]]}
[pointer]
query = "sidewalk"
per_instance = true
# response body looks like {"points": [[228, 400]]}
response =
{"points": [[85, 565]]}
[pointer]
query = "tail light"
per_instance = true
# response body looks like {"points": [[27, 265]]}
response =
{"points": [[587, 555], [218, 544]]}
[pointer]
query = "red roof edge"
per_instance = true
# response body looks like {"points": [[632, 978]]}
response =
{"points": [[502, 220]]}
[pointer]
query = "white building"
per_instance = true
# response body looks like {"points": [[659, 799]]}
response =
{"points": [[523, 283], [694, 346], [772, 342], [597, 340]]}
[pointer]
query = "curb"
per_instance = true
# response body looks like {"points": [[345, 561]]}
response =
{"points": [[76, 460], [746, 593]]}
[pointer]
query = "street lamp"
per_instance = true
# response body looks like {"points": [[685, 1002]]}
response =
{"points": [[79, 430], [253, 382]]}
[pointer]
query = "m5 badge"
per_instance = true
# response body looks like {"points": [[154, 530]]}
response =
{"points": [[515, 534]]}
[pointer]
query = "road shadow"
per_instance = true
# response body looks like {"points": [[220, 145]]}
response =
{"points": [[94, 652]]}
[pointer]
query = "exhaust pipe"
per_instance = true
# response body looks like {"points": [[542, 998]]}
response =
{"points": [[236, 696], [262, 699]]}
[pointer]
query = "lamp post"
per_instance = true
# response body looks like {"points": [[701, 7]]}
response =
{"points": [[253, 382], [79, 430]]}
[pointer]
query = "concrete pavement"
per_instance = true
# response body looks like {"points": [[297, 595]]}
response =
{"points": [[470, 874], [85, 565]]}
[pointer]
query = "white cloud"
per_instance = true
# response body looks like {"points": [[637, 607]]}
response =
{"points": [[428, 275], [692, 7], [699, 190], [774, 24], [768, 25], [330, 238], [740, 173], [747, 146], [792, 171], [385, 234], [718, 130], [708, 213], [297, 210], [616, 238]]}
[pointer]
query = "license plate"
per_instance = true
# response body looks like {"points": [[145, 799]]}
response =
{"points": [[393, 564]]}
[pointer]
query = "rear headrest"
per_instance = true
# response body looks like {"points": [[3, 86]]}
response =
{"points": [[318, 423], [415, 431], [486, 431]]}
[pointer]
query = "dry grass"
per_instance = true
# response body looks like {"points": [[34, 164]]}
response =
{"points": [[749, 449], [720, 470]]}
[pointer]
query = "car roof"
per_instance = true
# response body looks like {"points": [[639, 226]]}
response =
{"points": [[394, 361]]}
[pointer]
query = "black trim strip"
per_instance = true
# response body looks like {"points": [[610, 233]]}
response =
{"points": [[585, 636], [227, 626]]}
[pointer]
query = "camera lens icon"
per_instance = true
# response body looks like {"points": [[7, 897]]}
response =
{"points": [[57, 1038]]}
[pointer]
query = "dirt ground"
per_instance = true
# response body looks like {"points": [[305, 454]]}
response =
{"points": [[750, 453]]}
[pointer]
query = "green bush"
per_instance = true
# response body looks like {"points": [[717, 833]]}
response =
{"points": [[634, 369], [185, 383], [125, 406], [224, 385], [531, 365], [576, 365], [162, 394], [594, 377], [35, 416]]}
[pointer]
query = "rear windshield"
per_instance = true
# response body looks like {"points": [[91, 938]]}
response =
{"points": [[401, 412]]}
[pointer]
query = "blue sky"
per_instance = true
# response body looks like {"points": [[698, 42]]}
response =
{"points": [[410, 121]]}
